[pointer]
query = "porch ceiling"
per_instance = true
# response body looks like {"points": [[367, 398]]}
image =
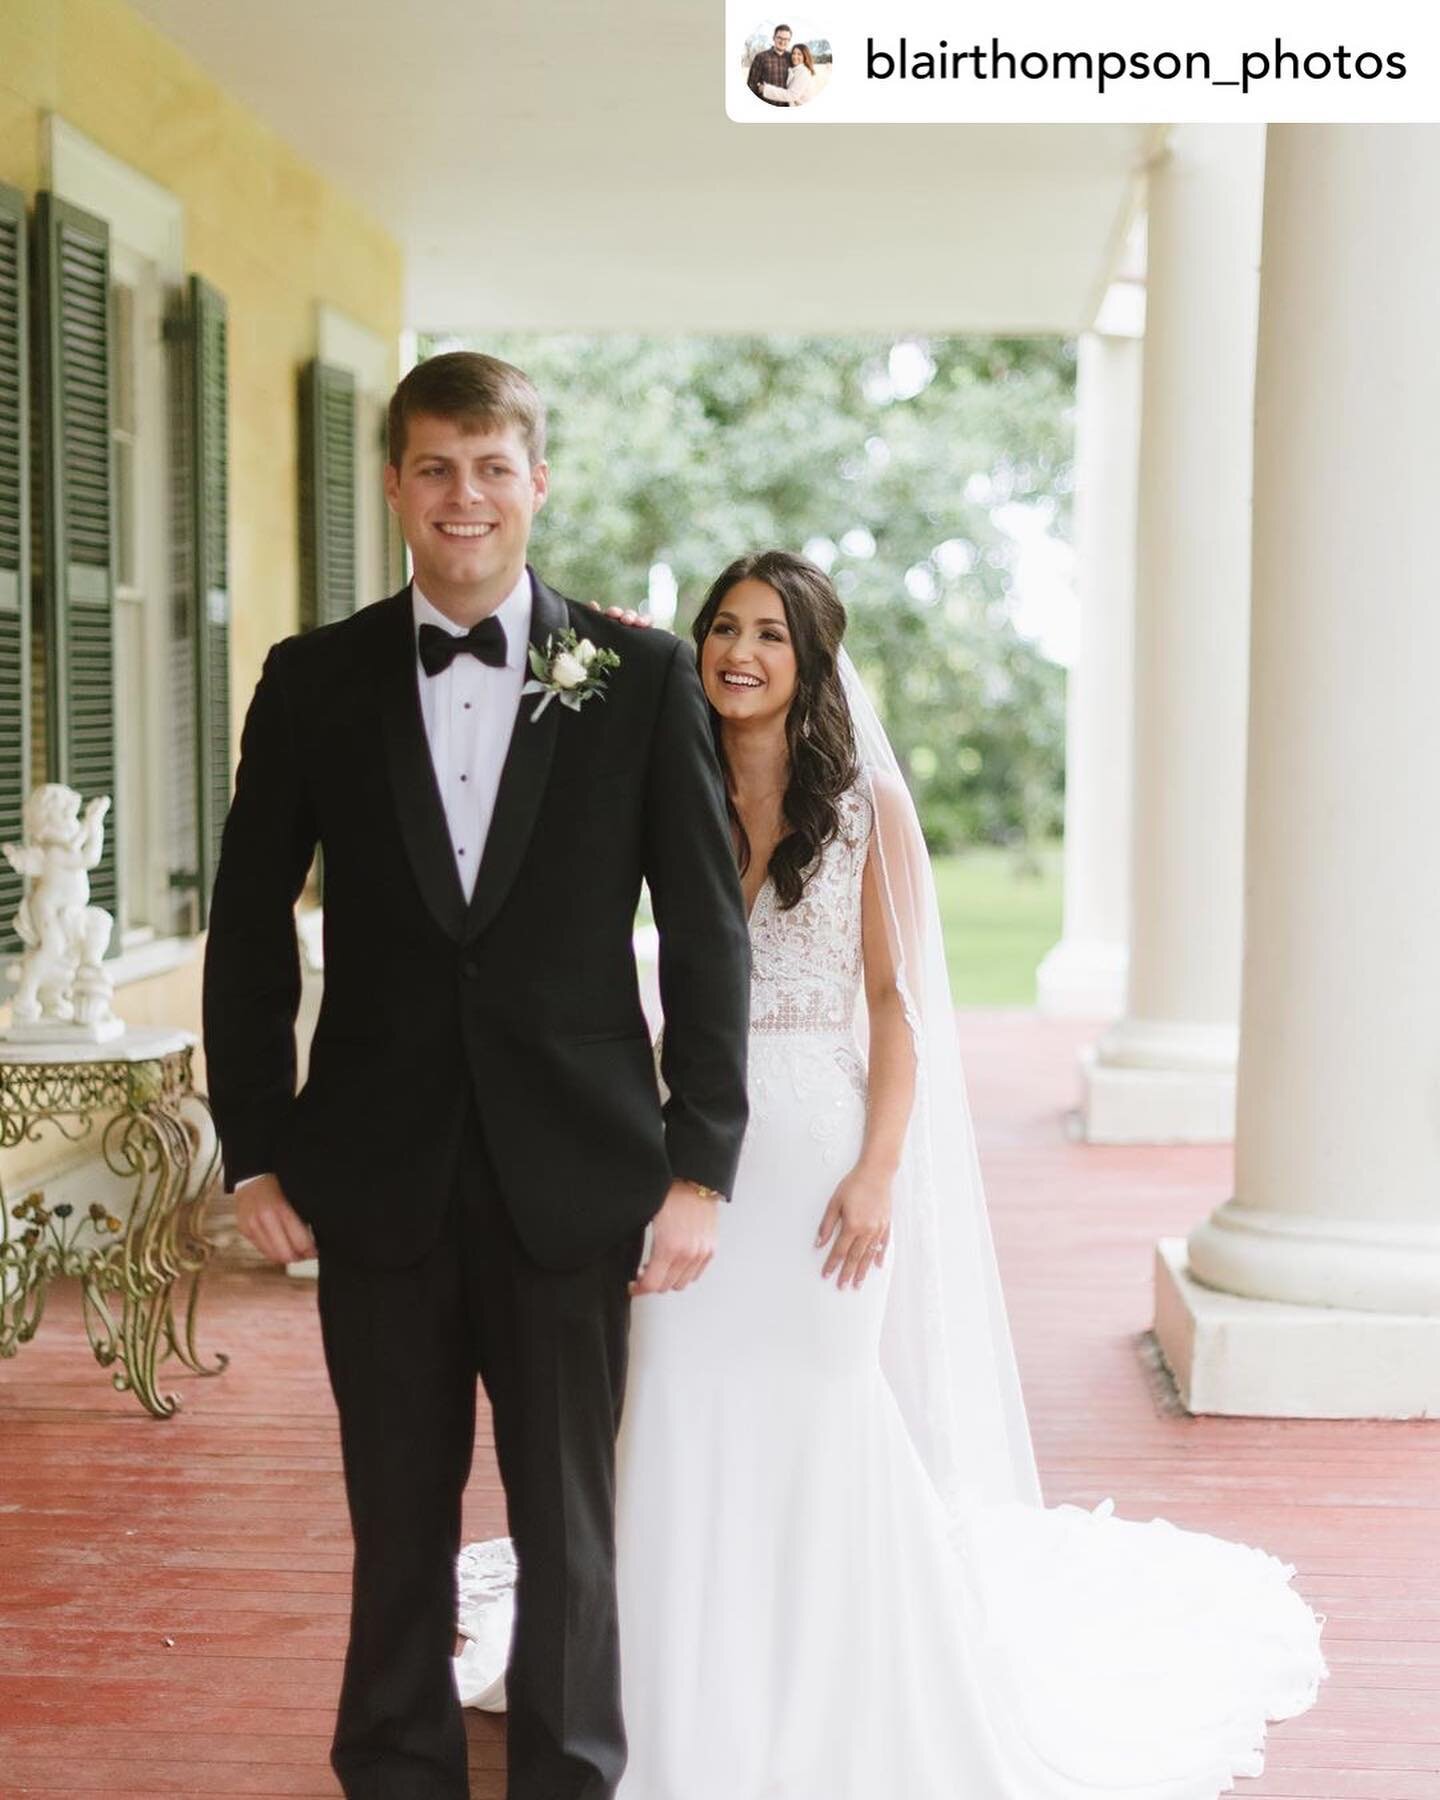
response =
{"points": [[566, 166]]}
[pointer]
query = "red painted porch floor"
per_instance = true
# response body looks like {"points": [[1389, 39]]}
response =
{"points": [[173, 1595]]}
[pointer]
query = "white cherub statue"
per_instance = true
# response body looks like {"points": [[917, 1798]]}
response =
{"points": [[65, 937]]}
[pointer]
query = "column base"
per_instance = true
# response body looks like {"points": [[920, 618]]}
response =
{"points": [[1082, 978], [1269, 1359], [1373, 1265], [1125, 1105]]}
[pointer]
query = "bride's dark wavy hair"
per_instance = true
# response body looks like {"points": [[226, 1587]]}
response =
{"points": [[819, 734]]}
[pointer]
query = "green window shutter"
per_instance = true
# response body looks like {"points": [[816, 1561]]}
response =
{"points": [[397, 571], [327, 494], [209, 389], [396, 568], [394, 552], [72, 263], [14, 551]]}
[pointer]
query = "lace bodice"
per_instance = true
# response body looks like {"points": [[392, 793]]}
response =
{"points": [[806, 965]]}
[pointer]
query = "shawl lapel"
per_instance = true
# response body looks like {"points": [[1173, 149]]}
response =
{"points": [[522, 781], [418, 805]]}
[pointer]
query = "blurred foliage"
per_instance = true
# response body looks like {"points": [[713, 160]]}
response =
{"points": [[883, 459]]}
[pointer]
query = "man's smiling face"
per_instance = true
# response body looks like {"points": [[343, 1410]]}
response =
{"points": [[465, 496], [782, 42]]}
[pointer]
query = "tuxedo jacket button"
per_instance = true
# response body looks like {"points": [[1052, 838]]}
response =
{"points": [[469, 970]]}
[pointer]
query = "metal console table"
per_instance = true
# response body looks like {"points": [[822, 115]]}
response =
{"points": [[139, 1274]]}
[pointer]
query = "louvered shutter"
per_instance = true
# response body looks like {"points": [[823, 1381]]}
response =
{"points": [[327, 494], [14, 550], [397, 571], [181, 698], [73, 343], [210, 477]]}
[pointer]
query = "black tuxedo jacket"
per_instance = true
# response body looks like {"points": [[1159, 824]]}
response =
{"points": [[525, 1002]]}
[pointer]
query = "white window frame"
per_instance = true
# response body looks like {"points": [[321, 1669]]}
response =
{"points": [[147, 231], [145, 880], [340, 340], [140, 213]]}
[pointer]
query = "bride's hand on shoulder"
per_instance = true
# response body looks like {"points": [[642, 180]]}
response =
{"points": [[856, 1226], [626, 615]]}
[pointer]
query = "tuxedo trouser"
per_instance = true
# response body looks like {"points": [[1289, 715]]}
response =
{"points": [[403, 1348]]}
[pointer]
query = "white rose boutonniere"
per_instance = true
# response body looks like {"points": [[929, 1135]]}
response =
{"points": [[569, 669]]}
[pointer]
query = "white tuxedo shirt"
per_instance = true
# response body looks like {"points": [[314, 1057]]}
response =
{"points": [[469, 712]]}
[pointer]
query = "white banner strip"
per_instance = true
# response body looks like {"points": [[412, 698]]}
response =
{"points": [[917, 62]]}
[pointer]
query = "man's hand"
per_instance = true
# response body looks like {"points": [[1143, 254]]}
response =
{"points": [[626, 615], [270, 1222], [682, 1241]]}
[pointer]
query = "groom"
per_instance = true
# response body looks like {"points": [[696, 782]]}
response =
{"points": [[480, 1142], [772, 65]]}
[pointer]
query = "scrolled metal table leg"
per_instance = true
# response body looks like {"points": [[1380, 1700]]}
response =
{"points": [[145, 1147], [192, 1246], [139, 1276]]}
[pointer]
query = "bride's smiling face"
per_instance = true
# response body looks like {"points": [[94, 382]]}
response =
{"points": [[747, 661]]}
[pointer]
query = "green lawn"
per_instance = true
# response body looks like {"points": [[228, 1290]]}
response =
{"points": [[998, 923]]}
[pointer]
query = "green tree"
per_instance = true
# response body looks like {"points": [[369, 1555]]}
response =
{"points": [[884, 459]]}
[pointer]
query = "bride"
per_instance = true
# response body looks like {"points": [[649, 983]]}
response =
{"points": [[801, 84], [836, 1574]]}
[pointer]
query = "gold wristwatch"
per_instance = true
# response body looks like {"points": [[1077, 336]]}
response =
{"points": [[705, 1193]]}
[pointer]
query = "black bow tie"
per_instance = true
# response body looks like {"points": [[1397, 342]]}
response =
{"points": [[439, 648]]}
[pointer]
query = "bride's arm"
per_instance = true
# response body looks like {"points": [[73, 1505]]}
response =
{"points": [[771, 92], [860, 1207], [892, 1047]]}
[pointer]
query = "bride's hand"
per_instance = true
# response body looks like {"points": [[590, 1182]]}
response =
{"points": [[858, 1219], [626, 615]]}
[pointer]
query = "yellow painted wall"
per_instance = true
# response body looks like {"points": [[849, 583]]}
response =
{"points": [[265, 229]]}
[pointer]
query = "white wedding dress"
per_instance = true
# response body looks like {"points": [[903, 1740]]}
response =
{"points": [[801, 1615]]}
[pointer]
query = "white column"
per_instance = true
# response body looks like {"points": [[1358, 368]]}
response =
{"points": [[1330, 1251], [1166, 1071], [1084, 974]]}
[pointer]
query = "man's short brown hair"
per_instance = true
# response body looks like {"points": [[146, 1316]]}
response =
{"points": [[475, 391]]}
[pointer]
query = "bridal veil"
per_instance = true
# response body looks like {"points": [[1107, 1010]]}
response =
{"points": [[946, 1350]]}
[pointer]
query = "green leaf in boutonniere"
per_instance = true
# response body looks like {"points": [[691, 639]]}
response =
{"points": [[570, 669]]}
